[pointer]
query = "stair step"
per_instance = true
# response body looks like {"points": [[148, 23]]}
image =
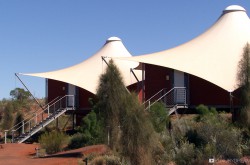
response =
{"points": [[40, 124]]}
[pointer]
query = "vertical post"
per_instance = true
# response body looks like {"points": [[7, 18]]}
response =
{"points": [[5, 136], [23, 127], [149, 105], [36, 118], [48, 110], [29, 126]]}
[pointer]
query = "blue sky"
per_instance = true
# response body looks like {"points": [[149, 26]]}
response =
{"points": [[46, 35]]}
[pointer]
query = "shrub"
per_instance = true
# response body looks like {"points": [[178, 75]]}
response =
{"points": [[92, 129], [204, 111], [221, 139], [185, 154], [77, 141], [53, 142], [106, 160], [159, 117], [168, 147]]}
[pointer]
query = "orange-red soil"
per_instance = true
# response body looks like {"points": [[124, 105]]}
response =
{"points": [[25, 154]]}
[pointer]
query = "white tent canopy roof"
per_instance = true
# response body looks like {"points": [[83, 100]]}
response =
{"points": [[86, 74], [213, 55]]}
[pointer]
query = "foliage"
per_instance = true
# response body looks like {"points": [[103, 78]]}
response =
{"points": [[53, 142], [18, 121], [243, 77], [204, 111], [131, 133], [111, 94], [168, 147], [214, 136], [90, 132], [185, 153], [159, 117], [20, 94], [7, 121], [106, 160], [219, 139], [62, 123], [77, 141], [138, 138], [92, 129]]}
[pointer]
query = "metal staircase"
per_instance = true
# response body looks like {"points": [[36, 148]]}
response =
{"points": [[36, 121], [173, 99]]}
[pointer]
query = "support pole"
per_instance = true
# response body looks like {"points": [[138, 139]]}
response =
{"points": [[23, 127], [131, 70], [48, 110], [5, 136]]}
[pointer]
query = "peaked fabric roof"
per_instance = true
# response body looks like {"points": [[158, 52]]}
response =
{"points": [[214, 55], [86, 74]]}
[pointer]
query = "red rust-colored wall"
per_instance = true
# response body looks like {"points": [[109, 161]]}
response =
{"points": [[204, 92], [55, 89], [84, 96], [199, 91], [155, 79]]}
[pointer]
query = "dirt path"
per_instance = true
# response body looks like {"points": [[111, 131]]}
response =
{"points": [[24, 154]]}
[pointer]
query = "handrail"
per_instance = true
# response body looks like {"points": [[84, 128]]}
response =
{"points": [[25, 121], [155, 94], [30, 114], [162, 96]]}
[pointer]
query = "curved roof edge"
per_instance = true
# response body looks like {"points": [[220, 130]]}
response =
{"points": [[86, 74], [214, 55]]}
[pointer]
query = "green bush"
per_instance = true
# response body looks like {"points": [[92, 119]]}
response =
{"points": [[185, 154], [53, 142], [217, 137], [159, 117], [77, 141], [92, 129], [204, 111], [106, 160]]}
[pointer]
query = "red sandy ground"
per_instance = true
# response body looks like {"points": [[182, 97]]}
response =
{"points": [[24, 154]]}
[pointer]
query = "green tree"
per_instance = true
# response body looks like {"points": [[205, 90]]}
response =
{"points": [[20, 94], [131, 132], [138, 139], [243, 77], [8, 116], [112, 94]]}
